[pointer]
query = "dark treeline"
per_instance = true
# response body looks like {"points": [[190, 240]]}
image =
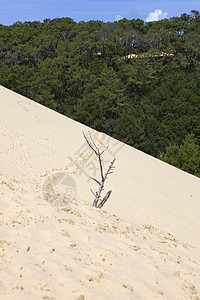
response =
{"points": [[149, 100]]}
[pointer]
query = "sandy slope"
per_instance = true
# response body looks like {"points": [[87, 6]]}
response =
{"points": [[144, 244]]}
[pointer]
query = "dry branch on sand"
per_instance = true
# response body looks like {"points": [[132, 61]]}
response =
{"points": [[98, 202]]}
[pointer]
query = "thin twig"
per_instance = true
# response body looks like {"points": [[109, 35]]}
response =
{"points": [[95, 180]]}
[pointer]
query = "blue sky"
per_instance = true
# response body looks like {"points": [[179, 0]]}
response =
{"points": [[85, 10]]}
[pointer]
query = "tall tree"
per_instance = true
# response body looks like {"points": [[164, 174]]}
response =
{"points": [[186, 156]]}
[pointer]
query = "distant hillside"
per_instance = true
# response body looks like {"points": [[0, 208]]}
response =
{"points": [[89, 72]]}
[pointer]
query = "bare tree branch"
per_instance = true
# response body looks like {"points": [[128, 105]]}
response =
{"points": [[95, 180], [93, 192], [104, 199], [96, 150], [97, 201]]}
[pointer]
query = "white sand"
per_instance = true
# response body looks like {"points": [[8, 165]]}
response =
{"points": [[143, 244]]}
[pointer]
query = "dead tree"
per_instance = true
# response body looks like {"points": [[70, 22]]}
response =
{"points": [[98, 202]]}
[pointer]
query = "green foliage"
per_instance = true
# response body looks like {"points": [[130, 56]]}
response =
{"points": [[129, 130], [102, 101], [186, 156], [84, 71]]}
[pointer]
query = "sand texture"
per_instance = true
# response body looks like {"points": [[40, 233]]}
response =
{"points": [[143, 244]]}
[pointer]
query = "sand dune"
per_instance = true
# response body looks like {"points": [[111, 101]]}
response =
{"points": [[143, 244]]}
